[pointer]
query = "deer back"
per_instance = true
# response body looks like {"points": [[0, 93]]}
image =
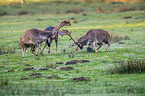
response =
{"points": [[35, 34], [97, 35]]}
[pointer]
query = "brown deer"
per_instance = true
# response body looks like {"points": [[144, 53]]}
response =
{"points": [[34, 37], [92, 37], [50, 28]]}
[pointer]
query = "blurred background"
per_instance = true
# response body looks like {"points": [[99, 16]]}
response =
{"points": [[32, 7], [5, 2]]}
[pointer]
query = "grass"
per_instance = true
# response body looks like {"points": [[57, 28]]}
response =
{"points": [[131, 66], [15, 81]]}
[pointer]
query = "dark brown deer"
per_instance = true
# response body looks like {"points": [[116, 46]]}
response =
{"points": [[49, 41], [92, 37], [50, 28], [34, 37]]}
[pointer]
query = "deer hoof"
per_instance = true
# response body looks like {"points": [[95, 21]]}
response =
{"points": [[96, 51], [41, 53], [36, 54]]}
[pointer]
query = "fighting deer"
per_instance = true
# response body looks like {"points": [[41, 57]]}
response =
{"points": [[34, 37], [50, 28], [92, 37]]}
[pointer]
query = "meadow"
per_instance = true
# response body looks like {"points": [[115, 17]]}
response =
{"points": [[22, 75]]}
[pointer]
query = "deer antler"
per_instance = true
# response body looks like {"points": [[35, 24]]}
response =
{"points": [[69, 34]]}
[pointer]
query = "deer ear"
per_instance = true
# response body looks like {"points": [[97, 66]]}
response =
{"points": [[77, 38]]}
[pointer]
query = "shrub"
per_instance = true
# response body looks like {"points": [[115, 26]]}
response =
{"points": [[131, 66], [22, 12], [8, 50], [4, 82], [3, 13], [117, 38]]}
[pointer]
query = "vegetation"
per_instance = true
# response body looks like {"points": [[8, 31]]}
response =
{"points": [[49, 74], [131, 66]]}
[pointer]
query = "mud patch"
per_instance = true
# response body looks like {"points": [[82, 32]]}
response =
{"points": [[11, 70], [66, 68], [53, 77], [37, 75], [59, 63], [104, 61], [80, 79], [72, 62], [27, 69], [43, 69], [127, 17], [89, 49], [24, 78], [84, 61], [118, 61], [76, 61], [27, 65], [121, 43], [84, 14]]}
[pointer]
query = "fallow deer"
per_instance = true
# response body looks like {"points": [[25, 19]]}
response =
{"points": [[48, 43], [92, 37], [34, 37], [51, 28]]}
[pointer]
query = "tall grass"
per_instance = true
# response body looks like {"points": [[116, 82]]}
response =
{"points": [[131, 66], [117, 38], [4, 82], [8, 50]]}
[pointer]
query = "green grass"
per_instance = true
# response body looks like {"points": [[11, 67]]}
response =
{"points": [[100, 82]]}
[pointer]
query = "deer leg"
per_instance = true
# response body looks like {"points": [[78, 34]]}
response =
{"points": [[94, 46], [90, 44], [33, 48], [76, 48], [23, 49], [100, 45], [56, 40], [38, 48], [41, 52], [109, 44], [48, 42], [37, 45], [48, 49]]}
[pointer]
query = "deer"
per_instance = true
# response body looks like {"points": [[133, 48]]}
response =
{"points": [[34, 37], [50, 28], [92, 37]]}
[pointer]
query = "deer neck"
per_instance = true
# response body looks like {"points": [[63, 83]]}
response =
{"points": [[83, 40], [57, 28], [46, 33]]}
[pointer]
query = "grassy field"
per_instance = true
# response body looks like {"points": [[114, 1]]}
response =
{"points": [[120, 23]]}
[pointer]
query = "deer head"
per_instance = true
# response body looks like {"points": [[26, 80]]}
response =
{"points": [[78, 43], [63, 23]]}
